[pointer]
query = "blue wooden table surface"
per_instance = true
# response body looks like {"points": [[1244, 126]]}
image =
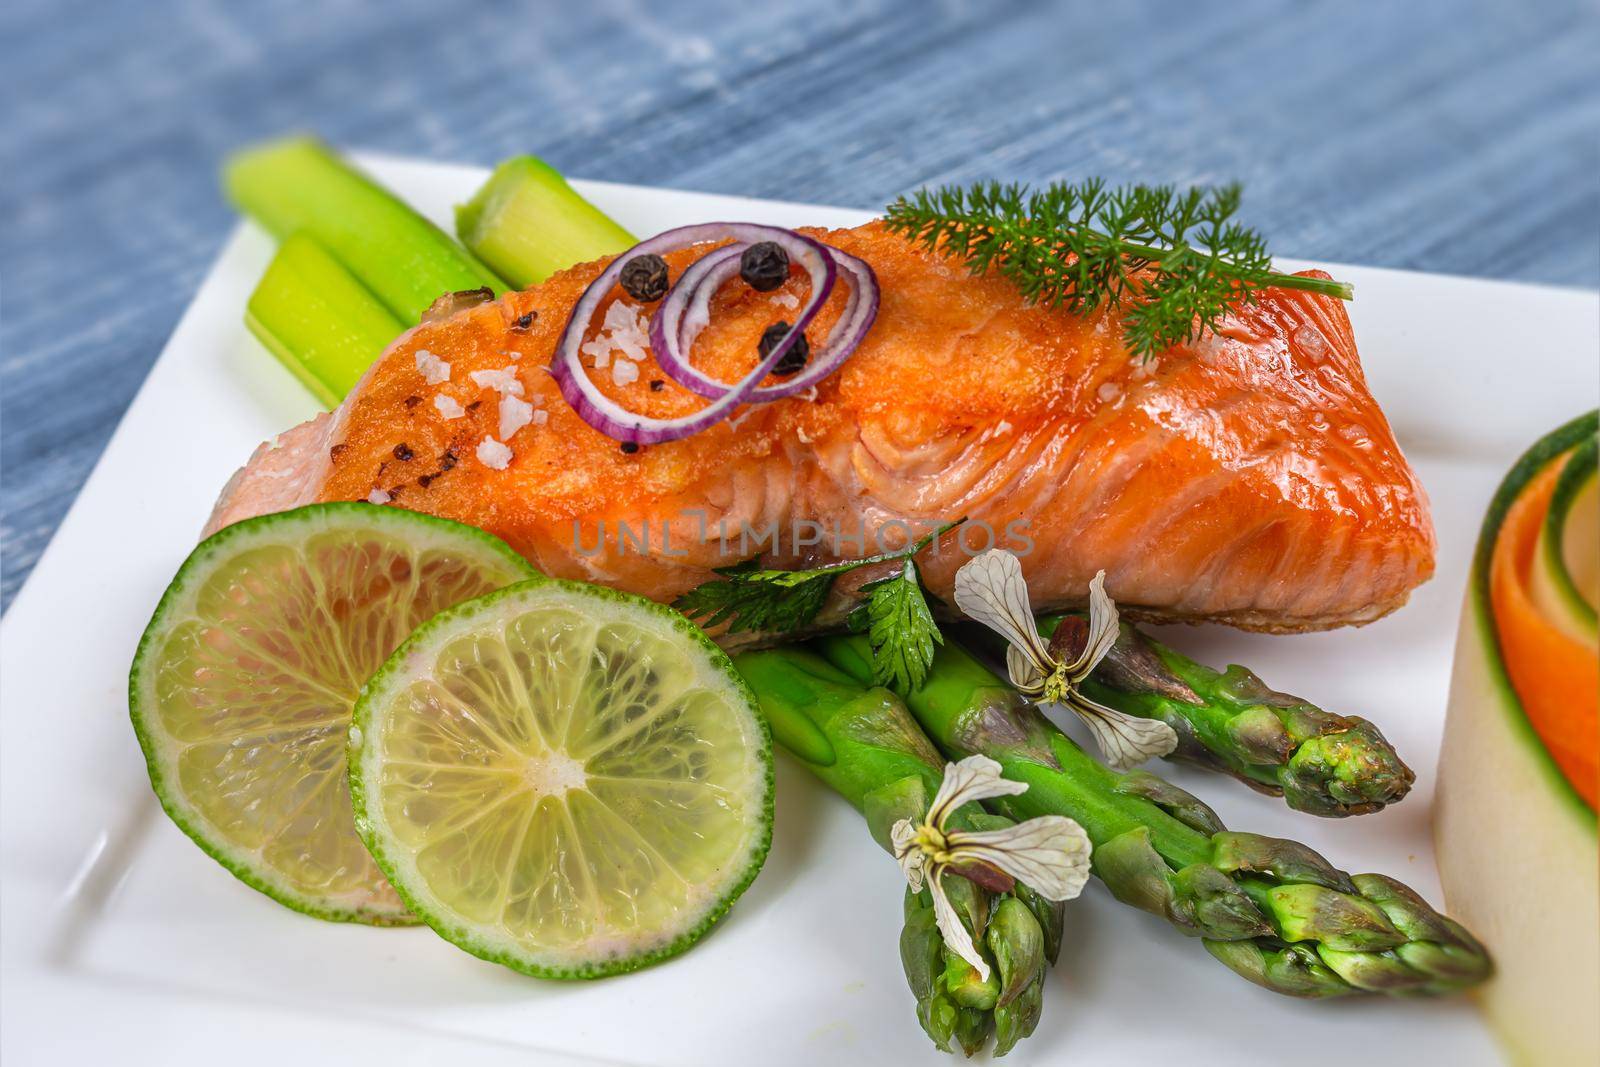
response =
{"points": [[1453, 136]]}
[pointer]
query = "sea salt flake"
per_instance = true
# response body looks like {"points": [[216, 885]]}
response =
{"points": [[434, 370], [623, 332], [449, 406], [598, 350], [540, 417], [514, 415], [1108, 392], [624, 373], [503, 381], [378, 496], [800, 432], [1312, 345], [1356, 434], [622, 315], [493, 454], [788, 300], [630, 347]]}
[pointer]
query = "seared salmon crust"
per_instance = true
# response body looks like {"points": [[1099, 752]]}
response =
{"points": [[1248, 477]]}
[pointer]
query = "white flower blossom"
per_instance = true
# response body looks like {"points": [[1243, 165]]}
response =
{"points": [[1049, 854], [990, 589]]}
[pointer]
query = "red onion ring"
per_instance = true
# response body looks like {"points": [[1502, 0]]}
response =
{"points": [[685, 312]]}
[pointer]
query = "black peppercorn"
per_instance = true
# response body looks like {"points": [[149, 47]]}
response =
{"points": [[794, 359], [656, 385], [402, 452], [525, 322], [630, 447], [645, 278], [764, 266]]}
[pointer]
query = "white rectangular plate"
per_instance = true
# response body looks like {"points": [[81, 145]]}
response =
{"points": [[121, 939]]}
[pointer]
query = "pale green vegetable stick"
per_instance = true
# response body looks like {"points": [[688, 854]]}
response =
{"points": [[318, 319], [527, 223], [407, 261]]}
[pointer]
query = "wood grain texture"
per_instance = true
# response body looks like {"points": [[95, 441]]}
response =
{"points": [[1461, 137]]}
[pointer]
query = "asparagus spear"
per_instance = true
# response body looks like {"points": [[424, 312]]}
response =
{"points": [[318, 319], [864, 744], [1272, 910], [527, 223], [1231, 721], [301, 184]]}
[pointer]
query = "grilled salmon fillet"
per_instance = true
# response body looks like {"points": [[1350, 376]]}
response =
{"points": [[1248, 477]]}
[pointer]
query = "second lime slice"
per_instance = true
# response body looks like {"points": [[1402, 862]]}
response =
{"points": [[563, 779]]}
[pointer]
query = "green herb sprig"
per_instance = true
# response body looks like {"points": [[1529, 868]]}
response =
{"points": [[1175, 260], [899, 627], [894, 613]]}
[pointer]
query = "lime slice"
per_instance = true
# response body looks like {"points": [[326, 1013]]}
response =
{"points": [[563, 779], [243, 684]]}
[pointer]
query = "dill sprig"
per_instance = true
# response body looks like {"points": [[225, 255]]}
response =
{"points": [[1175, 260], [894, 613]]}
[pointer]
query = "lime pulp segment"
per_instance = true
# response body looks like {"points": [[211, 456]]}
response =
{"points": [[563, 779], [242, 688]]}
